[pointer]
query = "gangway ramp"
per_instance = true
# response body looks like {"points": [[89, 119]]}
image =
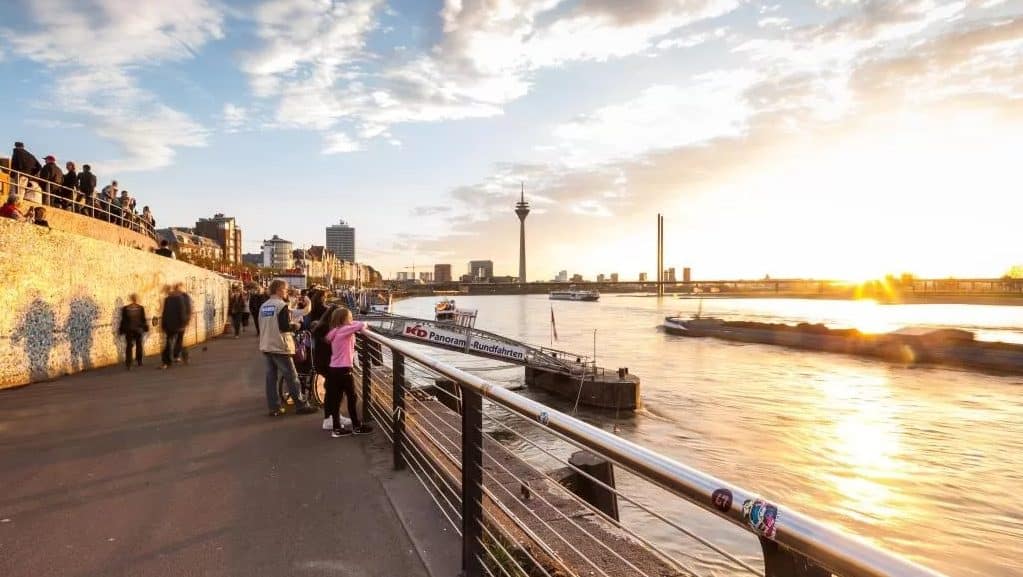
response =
{"points": [[563, 373]]}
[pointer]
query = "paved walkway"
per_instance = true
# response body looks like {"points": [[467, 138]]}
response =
{"points": [[181, 472]]}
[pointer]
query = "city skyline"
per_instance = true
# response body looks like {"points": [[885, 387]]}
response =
{"points": [[811, 139]]}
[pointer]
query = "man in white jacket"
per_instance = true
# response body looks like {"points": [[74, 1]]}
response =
{"points": [[278, 345]]}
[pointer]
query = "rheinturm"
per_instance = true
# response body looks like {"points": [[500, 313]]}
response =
{"points": [[522, 210]]}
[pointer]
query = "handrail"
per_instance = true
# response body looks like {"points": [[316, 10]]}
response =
{"points": [[841, 553], [100, 209]]}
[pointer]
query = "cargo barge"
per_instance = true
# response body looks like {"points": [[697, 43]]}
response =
{"points": [[910, 345]]}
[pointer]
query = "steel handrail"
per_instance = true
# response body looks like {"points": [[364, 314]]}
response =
{"points": [[841, 553], [129, 220]]}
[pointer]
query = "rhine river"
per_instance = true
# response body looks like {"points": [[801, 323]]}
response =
{"points": [[926, 462]]}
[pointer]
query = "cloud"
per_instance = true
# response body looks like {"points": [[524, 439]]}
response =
{"points": [[93, 49], [234, 117], [315, 63], [339, 143]]}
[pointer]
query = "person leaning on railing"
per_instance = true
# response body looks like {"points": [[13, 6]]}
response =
{"points": [[52, 178], [86, 190], [23, 163], [69, 191]]}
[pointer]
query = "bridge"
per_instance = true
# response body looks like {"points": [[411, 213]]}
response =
{"points": [[570, 375]]}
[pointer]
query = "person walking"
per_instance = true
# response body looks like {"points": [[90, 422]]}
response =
{"points": [[133, 327], [24, 163], [173, 321], [52, 178], [180, 352], [277, 343], [238, 308], [256, 301], [87, 189], [340, 382]]}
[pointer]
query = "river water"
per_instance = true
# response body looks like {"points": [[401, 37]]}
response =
{"points": [[923, 461]]}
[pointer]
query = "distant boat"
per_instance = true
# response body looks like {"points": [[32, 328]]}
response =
{"points": [[446, 312], [574, 295]]}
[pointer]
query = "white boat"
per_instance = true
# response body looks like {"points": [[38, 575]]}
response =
{"points": [[574, 295], [446, 312]]}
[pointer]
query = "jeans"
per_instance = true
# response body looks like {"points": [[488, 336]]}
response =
{"points": [[340, 383], [172, 346], [283, 365], [236, 322], [133, 340]]}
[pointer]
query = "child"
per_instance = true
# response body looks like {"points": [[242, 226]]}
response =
{"points": [[339, 376]]}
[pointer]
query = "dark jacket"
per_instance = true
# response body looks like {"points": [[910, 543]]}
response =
{"points": [[24, 161], [87, 183], [70, 182], [177, 310], [133, 320], [256, 301], [238, 303], [52, 174]]}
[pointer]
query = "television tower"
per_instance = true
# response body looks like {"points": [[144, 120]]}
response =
{"points": [[522, 210]]}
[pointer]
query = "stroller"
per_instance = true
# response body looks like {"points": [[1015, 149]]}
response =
{"points": [[308, 380]]}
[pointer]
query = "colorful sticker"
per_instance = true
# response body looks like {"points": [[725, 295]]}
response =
{"points": [[544, 418], [722, 500], [761, 516]]}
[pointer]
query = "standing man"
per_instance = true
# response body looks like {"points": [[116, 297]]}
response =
{"points": [[278, 346], [87, 189], [24, 163], [52, 178], [180, 352], [173, 321], [133, 326], [106, 199], [70, 191]]}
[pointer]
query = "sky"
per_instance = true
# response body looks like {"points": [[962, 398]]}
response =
{"points": [[823, 139]]}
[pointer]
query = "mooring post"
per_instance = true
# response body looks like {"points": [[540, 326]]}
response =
{"points": [[472, 483], [398, 407]]}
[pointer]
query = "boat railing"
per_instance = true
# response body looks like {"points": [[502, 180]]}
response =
{"points": [[494, 462]]}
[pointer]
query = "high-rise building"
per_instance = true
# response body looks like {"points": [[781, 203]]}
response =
{"points": [[562, 276], [401, 276], [278, 253], [481, 270], [600, 277], [642, 277], [341, 241], [226, 232], [442, 273], [669, 274], [614, 277], [426, 277], [687, 274], [522, 211]]}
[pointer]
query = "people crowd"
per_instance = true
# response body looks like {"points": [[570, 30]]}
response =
{"points": [[47, 185]]}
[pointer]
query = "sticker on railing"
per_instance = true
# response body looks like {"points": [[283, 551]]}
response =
{"points": [[761, 516], [722, 500], [543, 417]]}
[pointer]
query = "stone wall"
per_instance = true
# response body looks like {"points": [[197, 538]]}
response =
{"points": [[62, 298], [68, 221]]}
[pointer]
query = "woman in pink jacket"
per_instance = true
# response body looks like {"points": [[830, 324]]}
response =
{"points": [[339, 376]]}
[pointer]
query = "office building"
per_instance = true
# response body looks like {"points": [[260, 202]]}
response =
{"points": [[669, 274], [614, 277], [426, 277], [687, 275], [642, 277], [341, 241], [600, 277], [226, 232], [481, 270], [562, 276], [278, 254], [441, 273]]}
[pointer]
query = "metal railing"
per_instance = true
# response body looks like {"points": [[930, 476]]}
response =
{"points": [[60, 197], [517, 517]]}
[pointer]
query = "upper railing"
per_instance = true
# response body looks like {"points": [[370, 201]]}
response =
{"points": [[514, 522], [57, 196]]}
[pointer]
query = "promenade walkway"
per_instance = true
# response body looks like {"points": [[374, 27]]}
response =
{"points": [[180, 472]]}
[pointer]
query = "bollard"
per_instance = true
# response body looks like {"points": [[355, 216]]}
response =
{"points": [[601, 469]]}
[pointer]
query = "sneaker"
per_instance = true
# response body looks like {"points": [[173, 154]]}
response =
{"points": [[164, 367], [363, 429], [307, 409], [277, 413], [340, 433]]}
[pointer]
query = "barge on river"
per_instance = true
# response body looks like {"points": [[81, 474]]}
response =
{"points": [[575, 295], [911, 345]]}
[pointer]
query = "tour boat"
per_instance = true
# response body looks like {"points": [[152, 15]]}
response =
{"points": [[574, 295], [446, 312]]}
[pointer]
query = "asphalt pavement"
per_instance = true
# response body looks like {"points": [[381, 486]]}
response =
{"points": [[180, 472]]}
